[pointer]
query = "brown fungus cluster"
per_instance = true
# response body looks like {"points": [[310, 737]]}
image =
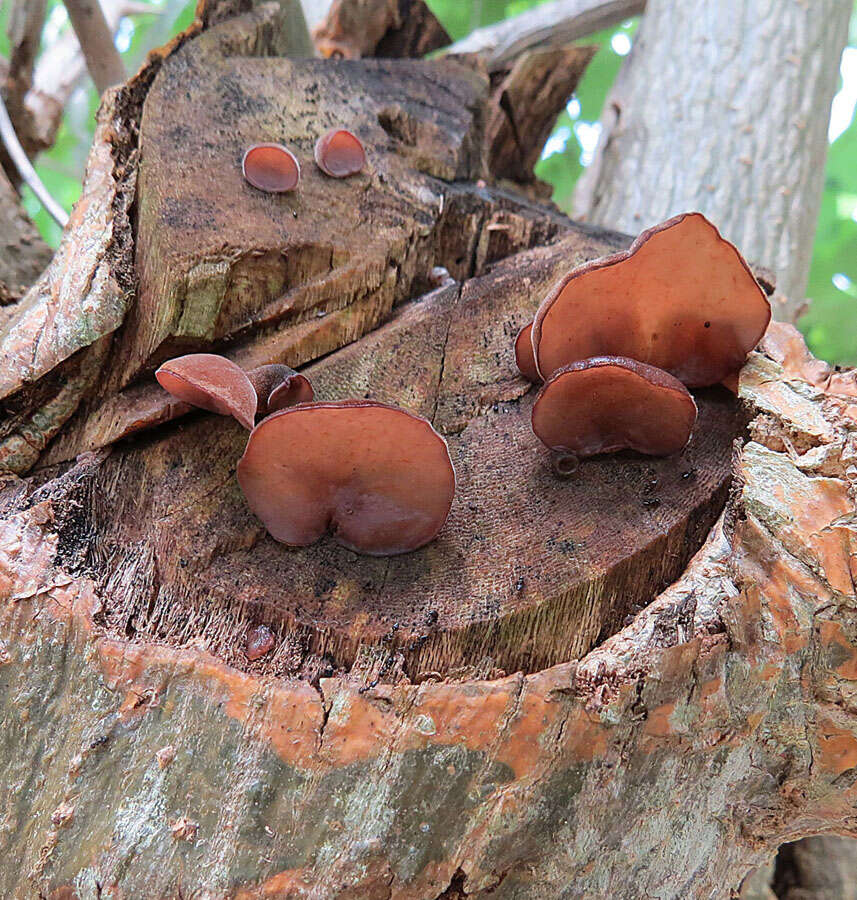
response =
{"points": [[379, 479], [619, 340]]}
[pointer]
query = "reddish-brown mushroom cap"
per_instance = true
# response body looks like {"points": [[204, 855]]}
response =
{"points": [[271, 167], [210, 382], [682, 299], [608, 403], [524, 354], [339, 153], [278, 387], [378, 478]]}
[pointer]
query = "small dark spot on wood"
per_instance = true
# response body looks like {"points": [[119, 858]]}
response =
{"points": [[708, 324]]}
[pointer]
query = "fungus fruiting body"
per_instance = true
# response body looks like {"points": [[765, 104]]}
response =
{"points": [[210, 382], [339, 153], [682, 299], [524, 353], [271, 167], [260, 640], [610, 403], [378, 478], [278, 387]]}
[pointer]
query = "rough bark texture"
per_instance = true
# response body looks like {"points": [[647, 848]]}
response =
{"points": [[527, 100], [765, 73], [668, 760], [400, 29], [725, 112], [147, 756]]}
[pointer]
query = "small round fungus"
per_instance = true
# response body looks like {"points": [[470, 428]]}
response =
{"points": [[278, 387], [271, 167], [210, 382], [339, 153], [378, 478], [260, 640], [608, 403], [682, 299], [524, 354]]}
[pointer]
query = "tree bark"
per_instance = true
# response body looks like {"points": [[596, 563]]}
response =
{"points": [[724, 108], [385, 746]]}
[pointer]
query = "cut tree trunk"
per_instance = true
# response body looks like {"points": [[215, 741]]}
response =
{"points": [[637, 682]]}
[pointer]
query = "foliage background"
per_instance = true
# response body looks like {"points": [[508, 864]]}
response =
{"points": [[830, 325]]}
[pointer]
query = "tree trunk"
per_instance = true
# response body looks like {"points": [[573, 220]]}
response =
{"points": [[635, 683], [723, 107]]}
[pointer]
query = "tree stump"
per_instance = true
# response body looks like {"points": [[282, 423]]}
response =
{"points": [[636, 682]]}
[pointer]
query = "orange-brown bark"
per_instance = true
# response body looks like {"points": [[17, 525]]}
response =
{"points": [[146, 756]]}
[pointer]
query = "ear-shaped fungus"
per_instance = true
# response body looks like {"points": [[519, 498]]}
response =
{"points": [[278, 387], [210, 382], [377, 477], [608, 403], [682, 299], [271, 167], [524, 354], [339, 153]]}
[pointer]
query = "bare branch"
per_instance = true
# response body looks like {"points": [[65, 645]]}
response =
{"points": [[96, 40], [25, 169], [553, 24], [58, 72]]}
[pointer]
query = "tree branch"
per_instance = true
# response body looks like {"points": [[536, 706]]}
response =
{"points": [[96, 41], [25, 168], [553, 24]]}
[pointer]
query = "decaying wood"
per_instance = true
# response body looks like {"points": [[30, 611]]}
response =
{"points": [[526, 103], [666, 752], [291, 277], [529, 570], [387, 28], [668, 760]]}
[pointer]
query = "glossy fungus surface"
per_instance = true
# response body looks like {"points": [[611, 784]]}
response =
{"points": [[339, 153], [210, 382], [609, 403], [377, 477], [272, 168], [278, 386], [682, 299]]}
